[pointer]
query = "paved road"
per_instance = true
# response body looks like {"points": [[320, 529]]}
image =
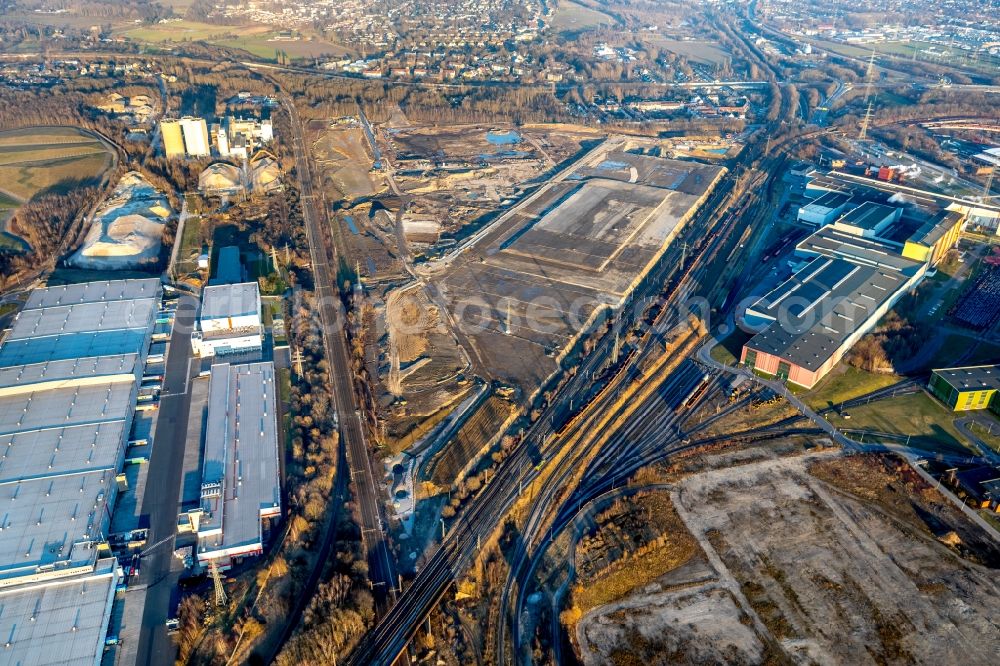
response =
{"points": [[162, 494]]}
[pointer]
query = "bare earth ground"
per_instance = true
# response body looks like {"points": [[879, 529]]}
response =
{"points": [[415, 328], [819, 558], [345, 160], [475, 177]]}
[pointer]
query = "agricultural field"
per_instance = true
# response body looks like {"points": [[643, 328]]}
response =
{"points": [[574, 17], [815, 558], [186, 31], [258, 40], [49, 160], [265, 46], [706, 52]]}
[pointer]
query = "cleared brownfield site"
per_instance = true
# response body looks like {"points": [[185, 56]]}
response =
{"points": [[818, 558]]}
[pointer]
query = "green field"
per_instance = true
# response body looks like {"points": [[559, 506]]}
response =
{"points": [[955, 348], [259, 46], [179, 31], [846, 383], [705, 52], [257, 40], [191, 245], [49, 159], [574, 17], [956, 57], [928, 423]]}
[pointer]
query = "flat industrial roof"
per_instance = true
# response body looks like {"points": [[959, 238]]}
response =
{"points": [[829, 200], [62, 621], [971, 378], [230, 300], [867, 216], [819, 307], [83, 318], [54, 521], [110, 290], [241, 454], [65, 406], [936, 227], [61, 450], [74, 345], [68, 370], [831, 242], [898, 193]]}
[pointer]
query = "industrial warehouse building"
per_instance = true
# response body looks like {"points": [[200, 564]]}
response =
{"points": [[824, 209], [854, 269], [240, 488], [70, 371], [973, 387], [185, 136], [230, 321]]}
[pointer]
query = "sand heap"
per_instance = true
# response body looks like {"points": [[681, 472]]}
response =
{"points": [[127, 230]]}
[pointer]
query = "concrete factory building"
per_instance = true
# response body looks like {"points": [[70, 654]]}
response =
{"points": [[70, 371], [825, 209], [240, 487], [196, 142], [173, 137], [185, 136], [853, 271], [230, 320]]}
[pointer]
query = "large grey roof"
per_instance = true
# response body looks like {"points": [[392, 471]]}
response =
{"points": [[79, 369], [819, 307], [830, 242], [868, 215], [230, 300], [829, 200], [110, 290], [936, 227], [58, 621], [241, 453]]}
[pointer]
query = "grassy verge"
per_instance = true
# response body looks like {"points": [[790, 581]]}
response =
{"points": [[285, 398], [990, 436], [991, 517], [730, 348], [928, 424], [846, 383]]}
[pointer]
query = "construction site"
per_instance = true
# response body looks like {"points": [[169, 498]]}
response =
{"points": [[526, 287], [455, 178]]}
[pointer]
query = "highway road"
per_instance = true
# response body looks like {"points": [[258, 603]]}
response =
{"points": [[382, 570], [162, 494]]}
